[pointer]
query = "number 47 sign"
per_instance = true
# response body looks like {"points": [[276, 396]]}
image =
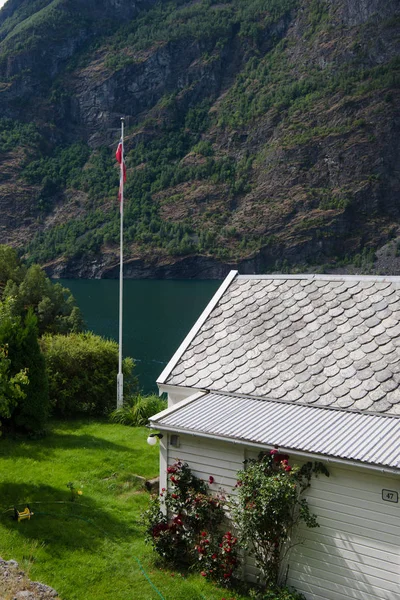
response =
{"points": [[390, 496]]}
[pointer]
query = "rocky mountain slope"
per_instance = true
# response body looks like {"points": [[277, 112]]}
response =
{"points": [[262, 134]]}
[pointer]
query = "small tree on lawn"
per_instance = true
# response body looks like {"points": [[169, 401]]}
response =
{"points": [[11, 387], [268, 507], [21, 337]]}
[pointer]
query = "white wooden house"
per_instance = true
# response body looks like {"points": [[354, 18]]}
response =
{"points": [[310, 364]]}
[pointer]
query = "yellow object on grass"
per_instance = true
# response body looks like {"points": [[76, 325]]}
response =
{"points": [[25, 514]]}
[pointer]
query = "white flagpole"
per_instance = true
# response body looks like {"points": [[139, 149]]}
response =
{"points": [[120, 376]]}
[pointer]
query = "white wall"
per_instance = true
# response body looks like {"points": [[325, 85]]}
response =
{"points": [[354, 554], [176, 393], [209, 457]]}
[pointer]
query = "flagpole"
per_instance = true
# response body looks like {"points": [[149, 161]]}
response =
{"points": [[120, 376]]}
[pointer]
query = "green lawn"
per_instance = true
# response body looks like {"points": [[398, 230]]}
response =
{"points": [[87, 549]]}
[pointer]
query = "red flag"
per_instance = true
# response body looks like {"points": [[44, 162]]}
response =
{"points": [[118, 156]]}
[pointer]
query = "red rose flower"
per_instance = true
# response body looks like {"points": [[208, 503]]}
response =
{"points": [[273, 452], [211, 479]]}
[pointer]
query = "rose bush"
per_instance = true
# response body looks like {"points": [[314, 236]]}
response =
{"points": [[268, 506], [176, 519], [218, 560]]}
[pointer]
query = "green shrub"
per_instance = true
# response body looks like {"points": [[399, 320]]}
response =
{"points": [[11, 388], [268, 507], [82, 370], [183, 525], [21, 337], [276, 594], [137, 412]]}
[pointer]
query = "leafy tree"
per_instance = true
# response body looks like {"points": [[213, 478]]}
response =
{"points": [[11, 387], [53, 305], [21, 337], [82, 370], [10, 266]]}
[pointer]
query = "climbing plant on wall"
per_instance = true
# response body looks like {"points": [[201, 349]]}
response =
{"points": [[269, 506]]}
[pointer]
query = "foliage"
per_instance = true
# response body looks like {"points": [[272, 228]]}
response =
{"points": [[63, 170], [183, 525], [218, 560], [15, 133], [10, 266], [268, 507], [53, 305], [11, 387], [211, 22], [21, 337], [276, 593], [82, 370], [137, 410]]}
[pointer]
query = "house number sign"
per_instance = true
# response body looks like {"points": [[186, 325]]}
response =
{"points": [[390, 496]]}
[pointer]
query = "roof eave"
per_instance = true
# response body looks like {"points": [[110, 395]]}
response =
{"points": [[247, 442]]}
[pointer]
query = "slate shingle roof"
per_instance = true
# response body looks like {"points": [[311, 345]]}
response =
{"points": [[318, 340]]}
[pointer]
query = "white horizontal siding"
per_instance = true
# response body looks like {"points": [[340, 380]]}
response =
{"points": [[355, 553], [208, 457]]}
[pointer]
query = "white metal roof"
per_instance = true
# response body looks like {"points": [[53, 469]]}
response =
{"points": [[370, 439]]}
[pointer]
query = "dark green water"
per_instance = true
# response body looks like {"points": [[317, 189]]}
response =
{"points": [[157, 317]]}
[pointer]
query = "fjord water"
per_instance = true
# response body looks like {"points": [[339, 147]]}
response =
{"points": [[157, 316]]}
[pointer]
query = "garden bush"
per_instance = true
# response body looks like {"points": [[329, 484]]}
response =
{"points": [[11, 387], [82, 371], [269, 506], [275, 593], [184, 525], [20, 336], [138, 409]]}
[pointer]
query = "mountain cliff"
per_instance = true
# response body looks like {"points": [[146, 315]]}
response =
{"points": [[262, 134]]}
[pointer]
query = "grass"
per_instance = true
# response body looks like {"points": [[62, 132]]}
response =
{"points": [[87, 548]]}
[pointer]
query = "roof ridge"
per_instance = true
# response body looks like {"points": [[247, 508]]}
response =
{"points": [[323, 277]]}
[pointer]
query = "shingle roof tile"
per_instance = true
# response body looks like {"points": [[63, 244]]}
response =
{"points": [[328, 341]]}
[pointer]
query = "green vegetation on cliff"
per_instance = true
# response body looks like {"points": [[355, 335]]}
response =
{"points": [[260, 130]]}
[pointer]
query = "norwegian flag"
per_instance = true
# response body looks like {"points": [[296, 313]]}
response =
{"points": [[121, 161]]}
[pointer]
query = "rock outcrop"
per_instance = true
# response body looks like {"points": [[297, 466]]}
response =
{"points": [[16, 585]]}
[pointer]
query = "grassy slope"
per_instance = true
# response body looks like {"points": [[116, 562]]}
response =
{"points": [[86, 549]]}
